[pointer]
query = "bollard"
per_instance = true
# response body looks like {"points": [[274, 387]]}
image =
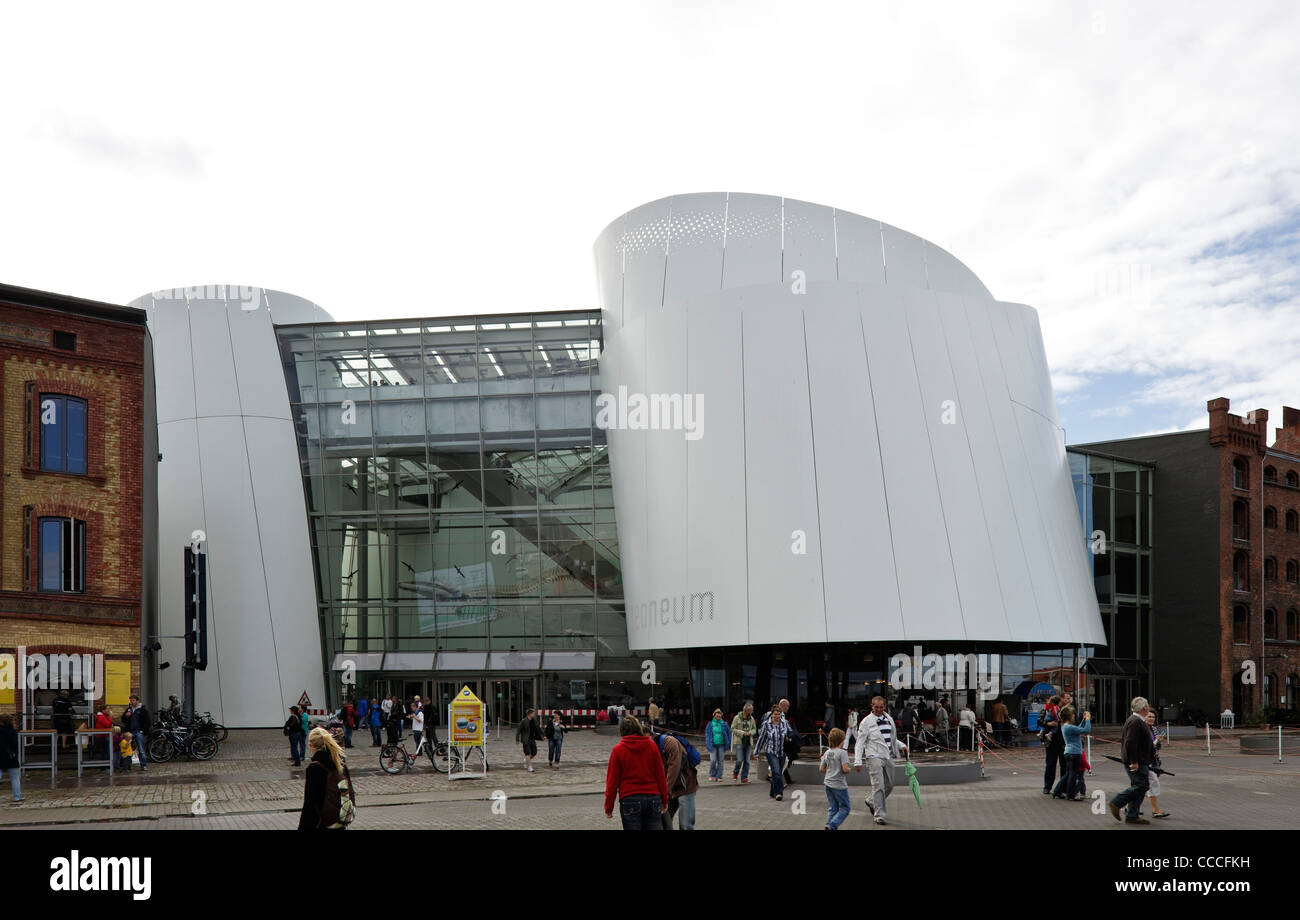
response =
{"points": [[1279, 744], [1208, 752]]}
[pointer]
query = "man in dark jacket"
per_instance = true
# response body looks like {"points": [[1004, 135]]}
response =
{"points": [[135, 719], [1138, 753]]}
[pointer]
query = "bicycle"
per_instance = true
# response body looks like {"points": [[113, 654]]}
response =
{"points": [[170, 742], [394, 758]]}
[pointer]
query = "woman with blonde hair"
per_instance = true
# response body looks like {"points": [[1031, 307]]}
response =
{"points": [[322, 800]]}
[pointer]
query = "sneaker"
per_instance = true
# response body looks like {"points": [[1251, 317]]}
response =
{"points": [[871, 807], [829, 828], [1114, 811], [744, 781], [1136, 821], [879, 819], [735, 776], [1058, 795], [1160, 814], [1047, 792], [778, 798]]}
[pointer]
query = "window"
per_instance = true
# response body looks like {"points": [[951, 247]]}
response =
{"points": [[1269, 682], [1240, 624], [1270, 518], [1270, 624], [1292, 626], [1292, 522], [1270, 569], [1241, 572], [63, 433], [65, 340], [1292, 570], [1270, 474], [1240, 479], [62, 555], [1292, 480], [1240, 520]]}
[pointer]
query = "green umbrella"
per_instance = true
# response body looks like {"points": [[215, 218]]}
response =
{"points": [[912, 781]]}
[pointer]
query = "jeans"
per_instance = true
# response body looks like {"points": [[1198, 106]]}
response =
{"points": [[641, 812], [298, 747], [347, 736], [741, 767], [137, 742], [415, 739], [553, 746], [1074, 770], [374, 735], [1055, 756], [837, 806], [684, 807], [881, 771], [774, 768], [716, 757], [1139, 782], [15, 782]]}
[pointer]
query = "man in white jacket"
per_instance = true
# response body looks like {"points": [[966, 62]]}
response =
{"points": [[878, 743]]}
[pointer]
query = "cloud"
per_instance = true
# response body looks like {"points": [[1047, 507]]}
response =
{"points": [[95, 143]]}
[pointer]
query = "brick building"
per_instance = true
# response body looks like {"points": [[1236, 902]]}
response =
{"points": [[1227, 586], [78, 494]]}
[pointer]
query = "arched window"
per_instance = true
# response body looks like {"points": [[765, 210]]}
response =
{"points": [[1292, 522], [1241, 572], [1292, 687], [1240, 474], [1270, 474], [1270, 569], [1292, 626], [1240, 520], [1270, 624], [1292, 570], [1240, 624], [1267, 685], [1292, 479], [1270, 518]]}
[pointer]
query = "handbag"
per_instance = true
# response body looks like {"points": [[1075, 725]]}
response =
{"points": [[347, 802]]}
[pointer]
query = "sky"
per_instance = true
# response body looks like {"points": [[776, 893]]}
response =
{"points": [[1128, 170]]}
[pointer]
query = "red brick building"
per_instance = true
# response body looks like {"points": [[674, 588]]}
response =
{"points": [[1226, 562], [78, 493]]}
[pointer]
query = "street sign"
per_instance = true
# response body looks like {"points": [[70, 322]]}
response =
{"points": [[466, 719], [304, 701]]}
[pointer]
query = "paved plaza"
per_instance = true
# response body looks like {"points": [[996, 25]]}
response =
{"points": [[250, 784]]}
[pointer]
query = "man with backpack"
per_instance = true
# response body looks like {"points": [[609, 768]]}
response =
{"points": [[681, 761], [349, 716]]}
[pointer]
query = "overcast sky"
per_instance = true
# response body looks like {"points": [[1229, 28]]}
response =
{"points": [[1129, 170]]}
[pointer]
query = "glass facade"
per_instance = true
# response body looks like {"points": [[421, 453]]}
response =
{"points": [[1115, 512], [462, 517]]}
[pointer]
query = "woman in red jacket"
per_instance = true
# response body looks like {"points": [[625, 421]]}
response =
{"points": [[104, 722], [636, 776]]}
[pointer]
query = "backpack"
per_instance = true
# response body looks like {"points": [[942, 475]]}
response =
{"points": [[340, 806], [793, 743], [691, 753]]}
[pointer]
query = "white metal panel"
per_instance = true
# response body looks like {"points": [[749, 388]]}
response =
{"points": [[1008, 327], [1018, 606], [856, 547], [609, 276], [925, 575], [780, 482], [695, 246], [173, 363], [808, 242], [645, 246], [980, 615], [262, 390], [753, 241], [717, 568], [858, 244], [216, 386], [904, 257]]}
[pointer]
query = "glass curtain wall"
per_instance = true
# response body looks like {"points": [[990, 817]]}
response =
{"points": [[460, 498]]}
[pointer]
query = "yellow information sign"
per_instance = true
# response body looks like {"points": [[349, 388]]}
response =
{"points": [[117, 677], [466, 719]]}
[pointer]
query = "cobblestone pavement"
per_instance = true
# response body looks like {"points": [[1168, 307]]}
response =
{"points": [[251, 785]]}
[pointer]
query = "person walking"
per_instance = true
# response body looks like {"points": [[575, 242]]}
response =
{"points": [[1070, 786], [652, 712], [104, 722], [417, 724], [941, 724], [555, 730], [393, 719], [1000, 718], [792, 741], [1153, 793], [122, 743], [835, 766], [908, 722], [828, 717], [967, 724], [878, 745], [135, 720], [1138, 753], [61, 719], [743, 730], [717, 736], [527, 734], [293, 730], [349, 717], [387, 710], [851, 733], [682, 780], [322, 799], [9, 756], [375, 715], [635, 777], [771, 744], [363, 713]]}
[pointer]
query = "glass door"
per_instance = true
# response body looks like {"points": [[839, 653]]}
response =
{"points": [[512, 697]]}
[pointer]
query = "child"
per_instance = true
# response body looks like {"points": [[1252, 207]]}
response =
{"points": [[835, 764], [124, 749]]}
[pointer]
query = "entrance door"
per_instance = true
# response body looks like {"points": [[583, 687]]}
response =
{"points": [[512, 697], [446, 690]]}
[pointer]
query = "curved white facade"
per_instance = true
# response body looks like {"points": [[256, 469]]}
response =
{"points": [[230, 469], [879, 457]]}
